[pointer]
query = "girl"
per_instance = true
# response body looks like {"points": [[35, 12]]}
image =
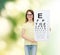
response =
{"points": [[28, 34]]}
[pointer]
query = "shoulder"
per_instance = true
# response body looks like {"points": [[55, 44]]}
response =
{"points": [[24, 25]]}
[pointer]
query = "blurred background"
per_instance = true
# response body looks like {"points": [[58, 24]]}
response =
{"points": [[12, 16]]}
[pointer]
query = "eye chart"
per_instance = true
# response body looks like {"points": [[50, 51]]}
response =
{"points": [[41, 25]]}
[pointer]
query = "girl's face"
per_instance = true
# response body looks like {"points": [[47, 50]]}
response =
{"points": [[29, 16]]}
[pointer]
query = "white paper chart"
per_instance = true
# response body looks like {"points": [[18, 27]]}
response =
{"points": [[41, 24]]}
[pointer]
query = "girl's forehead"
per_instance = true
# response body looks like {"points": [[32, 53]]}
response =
{"points": [[29, 12]]}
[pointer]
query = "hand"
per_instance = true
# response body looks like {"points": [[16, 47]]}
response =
{"points": [[50, 29], [33, 41]]}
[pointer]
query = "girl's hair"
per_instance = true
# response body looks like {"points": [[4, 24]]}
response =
{"points": [[32, 14]]}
